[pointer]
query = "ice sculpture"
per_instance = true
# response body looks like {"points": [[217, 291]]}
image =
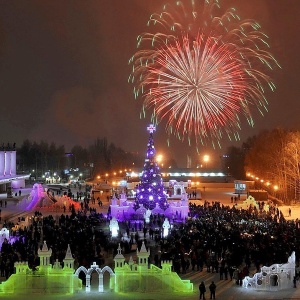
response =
{"points": [[166, 227], [273, 278], [114, 227]]}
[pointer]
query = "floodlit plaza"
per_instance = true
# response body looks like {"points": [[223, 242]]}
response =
{"points": [[145, 247], [226, 289]]}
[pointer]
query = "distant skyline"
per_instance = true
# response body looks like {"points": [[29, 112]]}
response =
{"points": [[64, 70]]}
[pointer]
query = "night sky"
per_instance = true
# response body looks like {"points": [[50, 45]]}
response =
{"points": [[64, 71]]}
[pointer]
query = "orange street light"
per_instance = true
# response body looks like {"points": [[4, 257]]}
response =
{"points": [[206, 159]]}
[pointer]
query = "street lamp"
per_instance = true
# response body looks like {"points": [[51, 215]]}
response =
{"points": [[206, 159], [275, 190], [261, 183], [159, 159]]}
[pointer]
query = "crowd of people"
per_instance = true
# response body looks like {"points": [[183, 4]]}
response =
{"points": [[228, 240], [215, 238]]}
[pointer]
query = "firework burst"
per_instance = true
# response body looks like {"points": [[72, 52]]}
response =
{"points": [[200, 69]]}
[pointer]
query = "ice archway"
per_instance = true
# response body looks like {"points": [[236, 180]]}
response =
{"points": [[100, 272]]}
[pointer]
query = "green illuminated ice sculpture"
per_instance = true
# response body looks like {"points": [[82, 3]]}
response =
{"points": [[140, 277], [46, 279], [127, 277]]}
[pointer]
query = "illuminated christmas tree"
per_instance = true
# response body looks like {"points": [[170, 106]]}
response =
{"points": [[151, 190]]}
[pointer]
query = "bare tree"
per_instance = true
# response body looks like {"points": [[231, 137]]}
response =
{"points": [[275, 156]]}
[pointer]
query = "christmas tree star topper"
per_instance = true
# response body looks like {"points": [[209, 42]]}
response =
{"points": [[151, 128]]}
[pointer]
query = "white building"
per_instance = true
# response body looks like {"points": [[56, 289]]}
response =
{"points": [[8, 172]]}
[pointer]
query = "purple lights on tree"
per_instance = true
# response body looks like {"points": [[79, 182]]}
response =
{"points": [[151, 190]]}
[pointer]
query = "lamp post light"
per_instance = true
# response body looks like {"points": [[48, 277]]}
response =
{"points": [[159, 159], [261, 184], [275, 190], [206, 160], [34, 175]]}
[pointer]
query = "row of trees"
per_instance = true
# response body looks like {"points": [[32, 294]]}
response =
{"points": [[273, 156], [97, 158], [32, 156]]}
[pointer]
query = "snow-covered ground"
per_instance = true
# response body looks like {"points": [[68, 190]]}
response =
{"points": [[225, 289]]}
